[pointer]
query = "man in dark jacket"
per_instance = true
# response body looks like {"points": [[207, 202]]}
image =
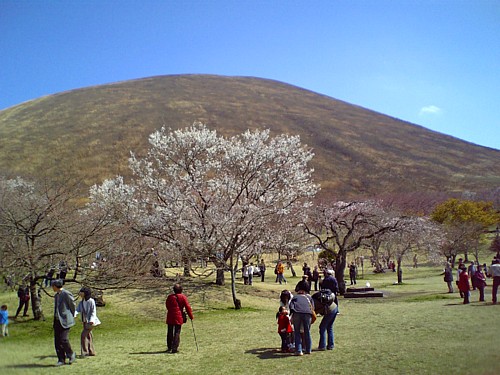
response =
{"points": [[330, 282], [23, 293]]}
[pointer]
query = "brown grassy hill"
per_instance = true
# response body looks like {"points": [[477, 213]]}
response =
{"points": [[90, 132]]}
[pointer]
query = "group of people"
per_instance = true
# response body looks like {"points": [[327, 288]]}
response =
{"points": [[248, 272], [23, 294], [65, 312], [473, 277], [297, 312]]}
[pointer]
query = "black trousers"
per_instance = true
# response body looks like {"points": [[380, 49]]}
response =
{"points": [[22, 303], [173, 337], [61, 341]]}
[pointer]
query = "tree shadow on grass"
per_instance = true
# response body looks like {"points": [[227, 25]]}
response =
{"points": [[35, 365], [268, 353], [155, 352], [472, 304], [30, 366]]}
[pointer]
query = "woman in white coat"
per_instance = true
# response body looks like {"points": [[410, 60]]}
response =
{"points": [[87, 309]]}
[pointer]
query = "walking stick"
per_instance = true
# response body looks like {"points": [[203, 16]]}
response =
{"points": [[194, 334]]}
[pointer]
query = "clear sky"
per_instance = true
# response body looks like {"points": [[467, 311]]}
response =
{"points": [[435, 63]]}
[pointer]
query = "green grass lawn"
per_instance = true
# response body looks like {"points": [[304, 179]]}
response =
{"points": [[417, 328]]}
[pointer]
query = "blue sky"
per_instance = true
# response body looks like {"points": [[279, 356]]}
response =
{"points": [[435, 63]]}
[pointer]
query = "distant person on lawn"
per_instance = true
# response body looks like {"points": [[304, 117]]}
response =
{"points": [[494, 272], [480, 282], [448, 277], [176, 303], [262, 267], [463, 283]]}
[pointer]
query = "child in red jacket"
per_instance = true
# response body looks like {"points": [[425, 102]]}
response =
{"points": [[284, 329]]}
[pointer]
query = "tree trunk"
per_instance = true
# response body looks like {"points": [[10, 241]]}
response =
{"points": [[400, 272], [219, 279], [36, 302], [290, 265], [236, 301], [340, 263], [187, 266]]}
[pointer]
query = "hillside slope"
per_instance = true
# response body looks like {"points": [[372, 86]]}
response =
{"points": [[90, 132]]}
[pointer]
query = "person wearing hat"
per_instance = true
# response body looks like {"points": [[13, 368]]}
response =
{"points": [[88, 310], [64, 319]]}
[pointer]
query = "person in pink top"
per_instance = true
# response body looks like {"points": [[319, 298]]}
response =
{"points": [[176, 303], [480, 282]]}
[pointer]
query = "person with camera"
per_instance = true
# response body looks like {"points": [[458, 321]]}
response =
{"points": [[178, 309]]}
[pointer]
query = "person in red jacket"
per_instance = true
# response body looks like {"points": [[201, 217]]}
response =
{"points": [[176, 303], [463, 283], [284, 329]]}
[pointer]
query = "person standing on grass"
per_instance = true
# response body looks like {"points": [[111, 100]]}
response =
{"points": [[480, 282], [315, 277], [494, 272], [88, 310], [459, 271], [448, 277], [284, 329], [64, 319], [301, 307], [280, 269], [324, 305], [176, 303], [250, 274], [463, 284], [4, 321], [352, 273], [23, 293], [304, 285], [262, 267], [244, 273], [471, 270]]}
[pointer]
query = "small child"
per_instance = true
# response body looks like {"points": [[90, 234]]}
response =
{"points": [[284, 329], [4, 320]]}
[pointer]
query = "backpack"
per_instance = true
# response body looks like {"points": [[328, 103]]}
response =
{"points": [[325, 297]]}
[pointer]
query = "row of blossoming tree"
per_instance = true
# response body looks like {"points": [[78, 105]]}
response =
{"points": [[195, 195]]}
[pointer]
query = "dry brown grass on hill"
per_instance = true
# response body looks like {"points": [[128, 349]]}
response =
{"points": [[90, 132]]}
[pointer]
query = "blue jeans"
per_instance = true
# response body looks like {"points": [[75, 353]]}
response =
{"points": [[326, 328], [302, 321]]}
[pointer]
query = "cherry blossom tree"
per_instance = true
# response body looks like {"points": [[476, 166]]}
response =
{"points": [[343, 227], [414, 234], [206, 195]]}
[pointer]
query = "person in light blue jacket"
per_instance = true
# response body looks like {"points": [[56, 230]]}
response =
{"points": [[4, 321]]}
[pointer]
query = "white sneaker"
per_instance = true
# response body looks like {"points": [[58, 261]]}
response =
{"points": [[59, 364]]}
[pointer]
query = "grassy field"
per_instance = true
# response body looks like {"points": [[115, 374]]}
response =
{"points": [[417, 328]]}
